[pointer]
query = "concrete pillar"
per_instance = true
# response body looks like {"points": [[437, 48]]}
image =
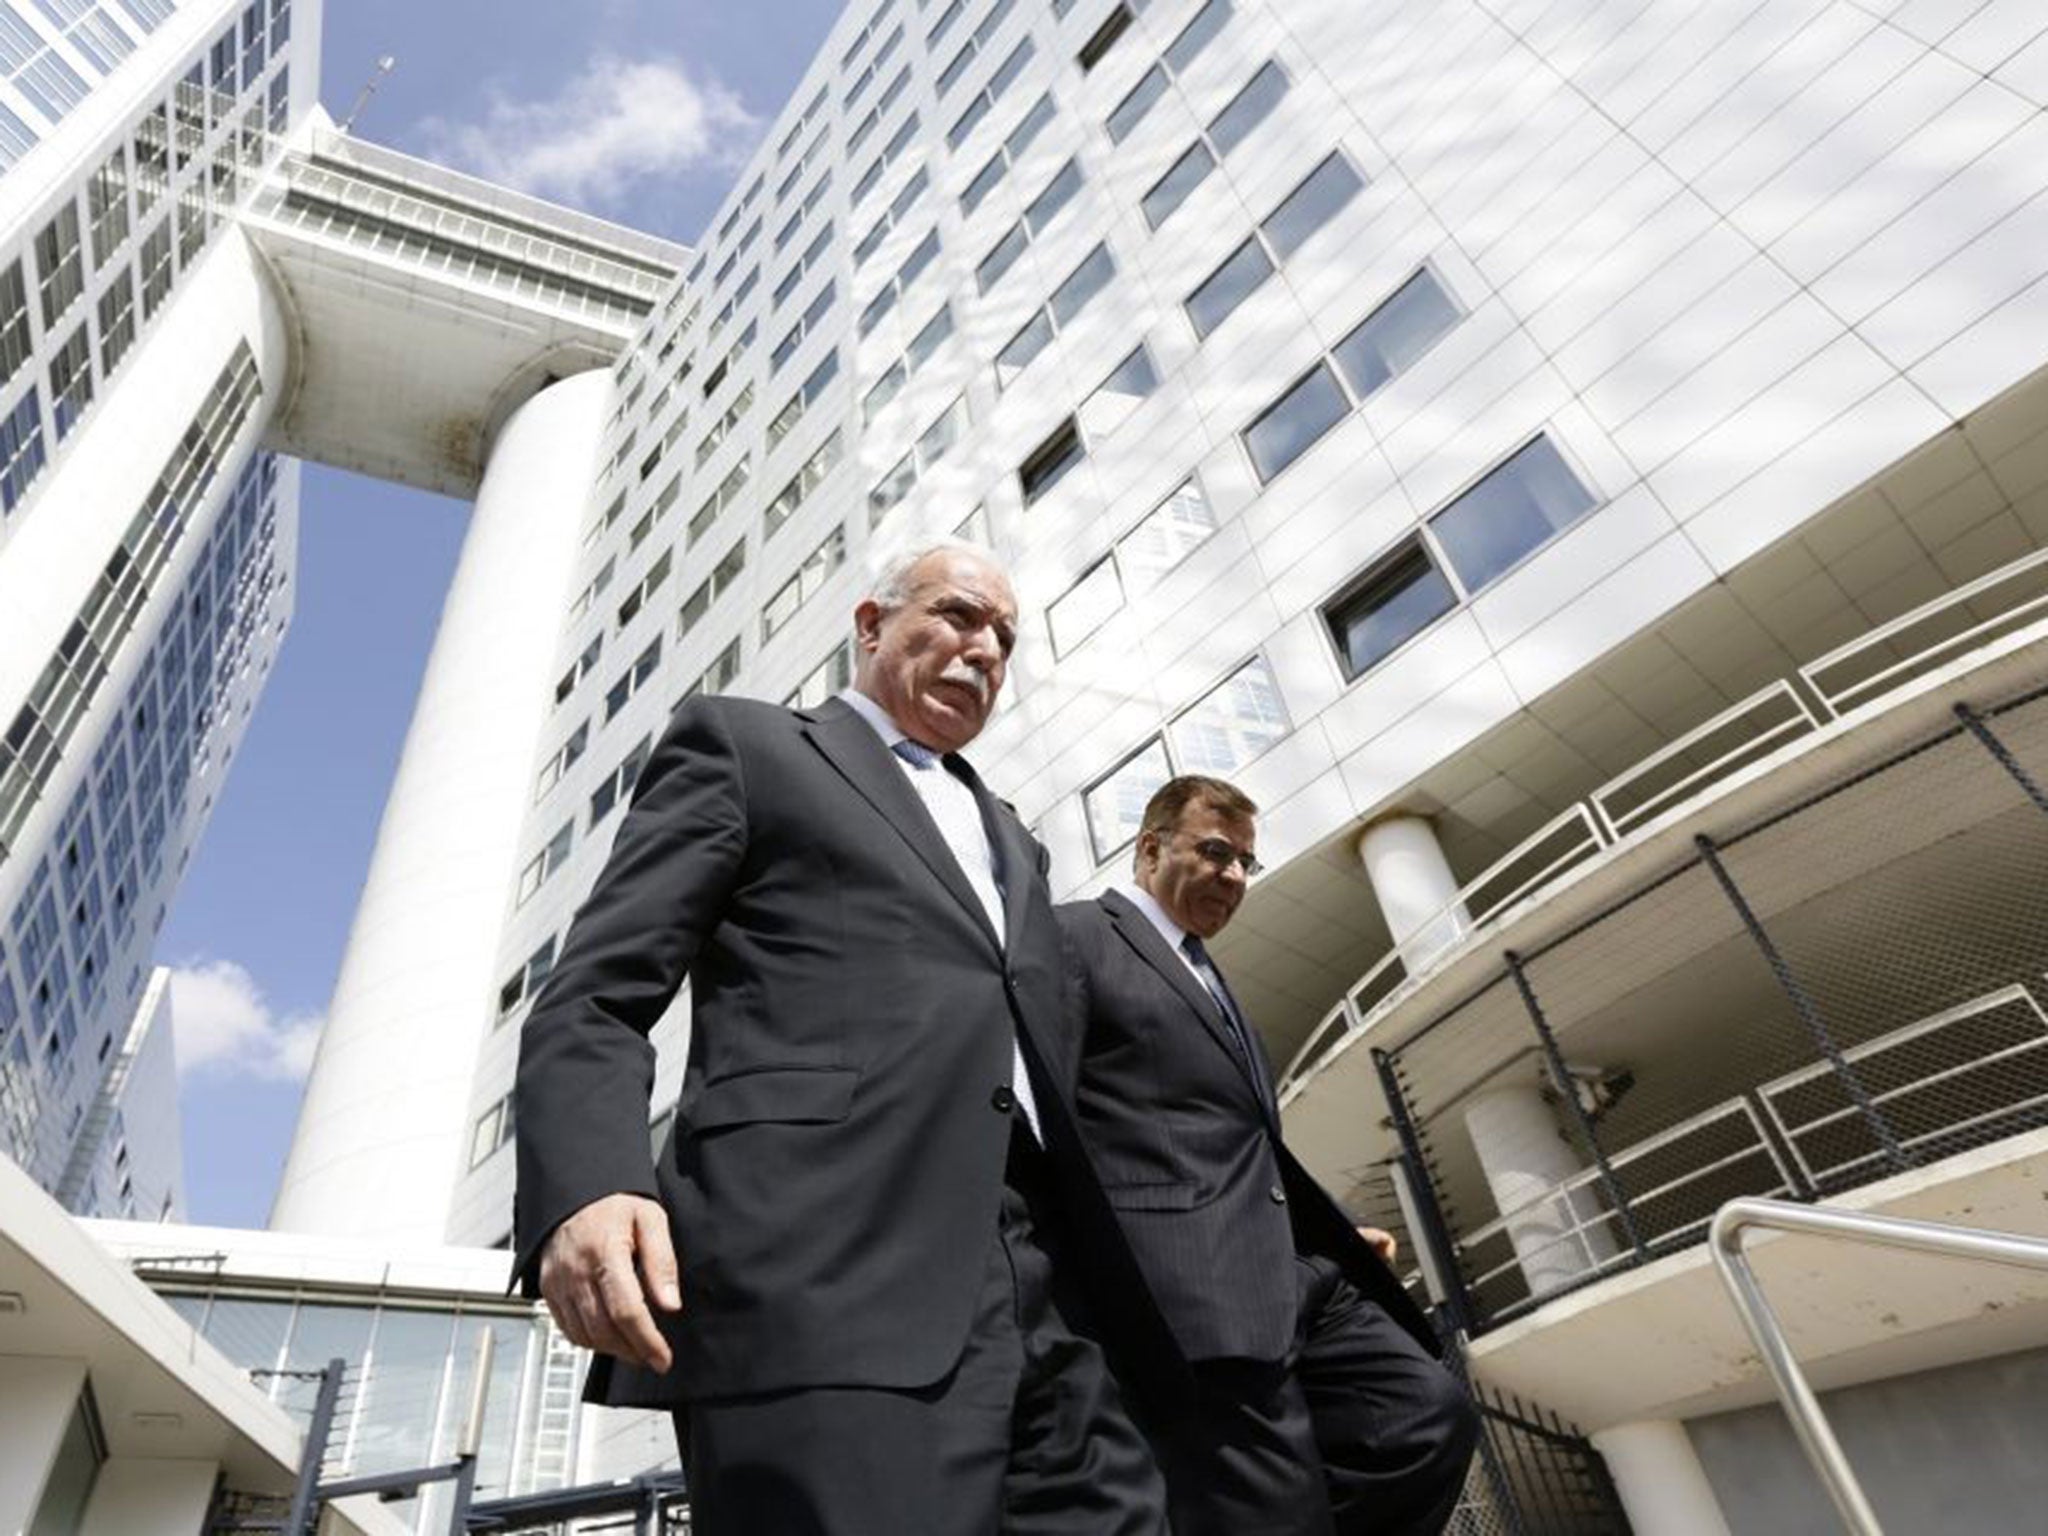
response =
{"points": [[1411, 879], [37, 1394], [1662, 1484], [381, 1138], [147, 1495], [1525, 1157]]}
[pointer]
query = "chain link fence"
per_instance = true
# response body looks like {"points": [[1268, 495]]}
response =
{"points": [[1848, 988]]}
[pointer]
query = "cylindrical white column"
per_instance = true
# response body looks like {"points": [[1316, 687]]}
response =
{"points": [[380, 1138], [1417, 893], [1525, 1158], [1658, 1474]]}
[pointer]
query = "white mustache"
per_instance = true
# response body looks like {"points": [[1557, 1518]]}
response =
{"points": [[973, 677]]}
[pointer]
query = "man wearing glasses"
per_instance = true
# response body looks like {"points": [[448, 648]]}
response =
{"points": [[1320, 1406]]}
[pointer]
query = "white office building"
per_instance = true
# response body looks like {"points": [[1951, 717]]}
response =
{"points": [[1582, 468]]}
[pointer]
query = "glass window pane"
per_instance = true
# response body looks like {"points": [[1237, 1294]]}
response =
{"points": [[1023, 348], [1395, 334], [1132, 109], [1082, 284], [1117, 396], [399, 1400], [1050, 461], [1398, 599], [1228, 286], [1045, 208], [1021, 136], [1167, 534], [1002, 258], [1248, 108], [1312, 205], [1232, 724], [984, 182], [928, 340], [1196, 35], [1181, 179], [1116, 803], [1514, 510], [1291, 425], [1084, 607], [249, 1333]]}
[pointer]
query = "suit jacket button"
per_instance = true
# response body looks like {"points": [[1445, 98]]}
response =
{"points": [[1278, 1195], [1003, 1099]]}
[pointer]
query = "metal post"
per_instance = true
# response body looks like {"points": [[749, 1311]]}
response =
{"points": [[1432, 1233], [1809, 1015], [1999, 750], [471, 1443], [1561, 1079], [304, 1510]]}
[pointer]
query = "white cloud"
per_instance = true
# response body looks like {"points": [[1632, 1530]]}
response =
{"points": [[618, 122], [222, 1024]]}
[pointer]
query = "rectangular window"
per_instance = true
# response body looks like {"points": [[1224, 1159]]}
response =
{"points": [[60, 266], [1236, 280], [156, 268], [1115, 803], [1294, 423], [107, 206], [1049, 462], [1230, 726], [1398, 598], [1131, 381], [1166, 536], [1396, 334], [1197, 35], [1138, 102], [617, 786], [1248, 108], [117, 321], [1104, 38], [806, 480], [21, 449], [15, 344], [1084, 607], [1319, 198], [71, 380], [811, 576], [1181, 178], [1512, 511]]}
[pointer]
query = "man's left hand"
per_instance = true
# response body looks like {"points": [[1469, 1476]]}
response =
{"points": [[1381, 1242]]}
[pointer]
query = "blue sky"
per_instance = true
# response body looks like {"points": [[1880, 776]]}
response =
{"points": [[636, 110]]}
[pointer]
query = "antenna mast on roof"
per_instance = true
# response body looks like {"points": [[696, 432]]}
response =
{"points": [[385, 64]]}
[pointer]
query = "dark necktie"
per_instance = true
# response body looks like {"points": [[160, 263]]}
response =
{"points": [[1212, 981]]}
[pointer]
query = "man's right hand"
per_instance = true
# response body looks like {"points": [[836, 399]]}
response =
{"points": [[600, 1269]]}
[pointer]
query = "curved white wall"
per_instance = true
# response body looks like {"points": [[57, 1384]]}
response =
{"points": [[383, 1133]]}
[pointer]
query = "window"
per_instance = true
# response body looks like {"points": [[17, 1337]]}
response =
{"points": [[975, 44], [913, 267], [709, 443], [1089, 278], [891, 152], [1196, 35], [807, 479], [561, 760], [1131, 381], [1311, 205], [1043, 210], [713, 587], [618, 784], [727, 492], [930, 337], [581, 668], [632, 680], [720, 675], [1248, 108], [791, 596], [1138, 101], [493, 1130], [1398, 598], [1161, 539], [805, 263], [525, 982], [830, 676], [156, 268], [990, 176], [21, 449], [1221, 733], [117, 321], [814, 313], [1395, 334], [107, 206], [545, 863], [645, 588], [68, 1485], [1181, 178], [15, 344], [1513, 510], [60, 267], [794, 407], [899, 206], [1291, 425], [932, 445], [1049, 462], [1104, 38], [71, 380], [986, 98]]}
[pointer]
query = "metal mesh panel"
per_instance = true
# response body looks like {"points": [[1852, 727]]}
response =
{"points": [[1534, 1475]]}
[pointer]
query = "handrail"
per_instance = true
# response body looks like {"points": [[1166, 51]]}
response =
{"points": [[1739, 1217]]}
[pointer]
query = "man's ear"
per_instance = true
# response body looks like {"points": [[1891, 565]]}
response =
{"points": [[867, 623]]}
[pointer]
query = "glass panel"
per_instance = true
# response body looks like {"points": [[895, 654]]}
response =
{"points": [[1248, 108], [1132, 109], [319, 1334], [399, 1401], [1002, 258], [1116, 803], [1397, 600], [1045, 208], [1196, 35], [1228, 286], [1312, 205], [1231, 725], [1165, 537], [1515, 509], [1023, 348], [1082, 284], [249, 1333], [1084, 607], [1395, 334], [1291, 425], [1181, 179]]}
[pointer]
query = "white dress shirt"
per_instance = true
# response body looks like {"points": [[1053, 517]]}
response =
{"points": [[958, 816]]}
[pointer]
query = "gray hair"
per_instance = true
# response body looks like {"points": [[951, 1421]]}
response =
{"points": [[889, 585]]}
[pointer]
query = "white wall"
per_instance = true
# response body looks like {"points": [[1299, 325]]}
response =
{"points": [[36, 1398], [147, 1496]]}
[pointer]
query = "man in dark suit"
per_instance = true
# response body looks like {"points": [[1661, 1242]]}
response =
{"points": [[862, 1339], [1319, 1404]]}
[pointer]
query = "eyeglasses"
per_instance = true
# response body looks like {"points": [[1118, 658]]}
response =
{"points": [[1220, 855]]}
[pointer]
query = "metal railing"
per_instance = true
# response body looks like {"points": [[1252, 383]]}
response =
{"points": [[1738, 1218], [1889, 657]]}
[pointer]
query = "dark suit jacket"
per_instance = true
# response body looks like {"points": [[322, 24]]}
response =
{"points": [[841, 1134], [1185, 1136]]}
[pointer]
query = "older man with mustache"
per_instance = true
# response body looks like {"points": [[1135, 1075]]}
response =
{"points": [[837, 1273]]}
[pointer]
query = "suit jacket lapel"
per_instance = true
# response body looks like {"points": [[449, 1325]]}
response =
{"points": [[1137, 931], [852, 747]]}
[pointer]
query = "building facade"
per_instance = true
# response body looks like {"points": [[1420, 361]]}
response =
{"points": [[1582, 469]]}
